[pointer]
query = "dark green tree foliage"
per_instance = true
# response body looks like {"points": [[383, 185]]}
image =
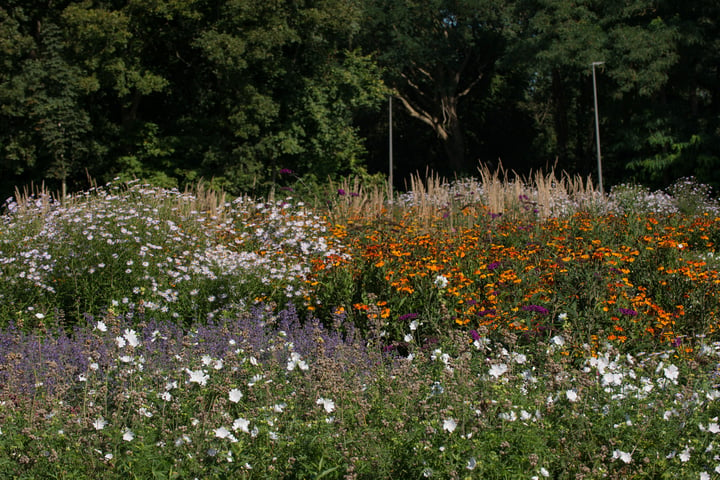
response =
{"points": [[682, 123], [654, 88], [174, 90], [47, 130], [287, 86], [233, 91]]}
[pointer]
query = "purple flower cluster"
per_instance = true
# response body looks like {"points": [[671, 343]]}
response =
{"points": [[52, 360], [535, 308]]}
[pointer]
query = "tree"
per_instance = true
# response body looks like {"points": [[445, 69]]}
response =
{"points": [[286, 87], [565, 38], [436, 53], [47, 129]]}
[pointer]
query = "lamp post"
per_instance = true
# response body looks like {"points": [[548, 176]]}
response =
{"points": [[597, 128], [390, 148]]}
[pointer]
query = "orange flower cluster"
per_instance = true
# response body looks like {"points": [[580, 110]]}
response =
{"points": [[625, 278]]}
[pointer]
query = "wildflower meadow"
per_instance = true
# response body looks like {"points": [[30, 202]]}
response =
{"points": [[490, 327]]}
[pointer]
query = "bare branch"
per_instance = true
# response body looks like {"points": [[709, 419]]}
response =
{"points": [[423, 116], [472, 84]]}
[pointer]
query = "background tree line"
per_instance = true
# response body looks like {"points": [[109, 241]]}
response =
{"points": [[238, 91]]}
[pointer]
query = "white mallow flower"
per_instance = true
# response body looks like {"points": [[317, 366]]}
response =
{"points": [[241, 424], [223, 432], [131, 338], [296, 361], [128, 435], [235, 395], [684, 455], [498, 369], [197, 376], [571, 395], [101, 326], [519, 358], [624, 456], [449, 425], [671, 372], [327, 404], [612, 379], [99, 423]]}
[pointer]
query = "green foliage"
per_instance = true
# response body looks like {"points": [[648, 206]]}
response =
{"points": [[235, 91]]}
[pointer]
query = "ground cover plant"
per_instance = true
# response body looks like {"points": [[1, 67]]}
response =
{"points": [[483, 328]]}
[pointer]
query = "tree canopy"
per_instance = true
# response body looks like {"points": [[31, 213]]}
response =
{"points": [[235, 91]]}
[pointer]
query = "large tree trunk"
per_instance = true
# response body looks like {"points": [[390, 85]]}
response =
{"points": [[453, 142]]}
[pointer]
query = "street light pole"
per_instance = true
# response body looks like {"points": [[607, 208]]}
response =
{"points": [[390, 148], [597, 128]]}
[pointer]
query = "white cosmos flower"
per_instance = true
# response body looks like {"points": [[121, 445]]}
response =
{"points": [[449, 425], [498, 369], [327, 404], [235, 395], [441, 281]]}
